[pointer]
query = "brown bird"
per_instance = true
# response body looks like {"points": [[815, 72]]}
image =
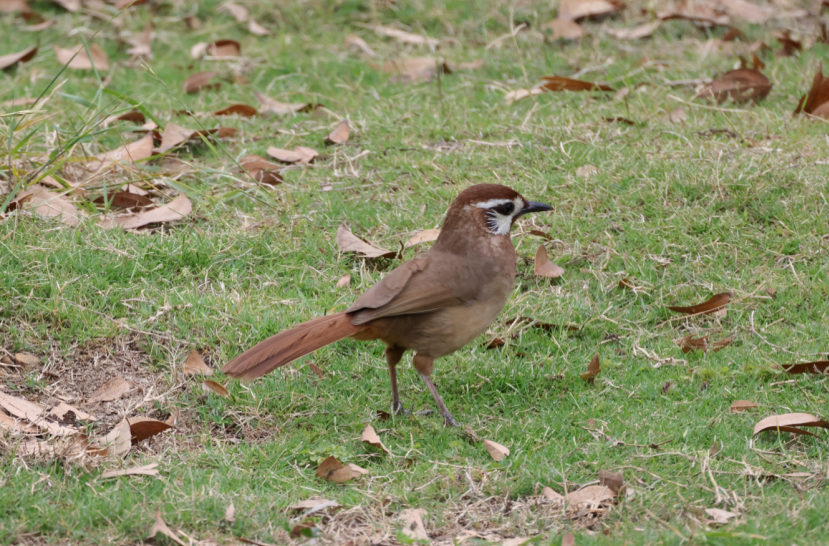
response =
{"points": [[433, 304]]}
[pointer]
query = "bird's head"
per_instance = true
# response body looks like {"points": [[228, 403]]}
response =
{"points": [[492, 208]]}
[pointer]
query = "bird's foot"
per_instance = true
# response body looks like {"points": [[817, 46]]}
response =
{"points": [[449, 421], [398, 409]]}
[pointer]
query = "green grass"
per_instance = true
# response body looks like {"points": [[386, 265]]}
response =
{"points": [[741, 214]]}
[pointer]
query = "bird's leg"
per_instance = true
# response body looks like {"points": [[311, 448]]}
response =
{"points": [[424, 365], [393, 356]]}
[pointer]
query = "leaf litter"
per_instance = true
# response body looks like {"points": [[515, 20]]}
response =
{"points": [[348, 242]]}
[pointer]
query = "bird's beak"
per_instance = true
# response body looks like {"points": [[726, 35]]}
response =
{"points": [[535, 206]]}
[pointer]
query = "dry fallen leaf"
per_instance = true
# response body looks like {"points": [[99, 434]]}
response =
{"points": [[558, 83], [715, 302], [413, 527], [340, 133], [552, 495], [218, 388], [160, 527], [195, 364], [146, 470], [14, 6], [564, 29], [316, 369], [69, 5], [371, 438], [423, 236], [133, 116], [199, 81], [677, 115], [17, 425], [176, 209], [300, 154], [518, 94], [818, 367], [345, 280], [741, 86], [224, 49], [742, 405], [593, 369], [230, 513], [358, 43], [719, 515], [10, 60], [243, 110], [238, 12], [690, 343], [636, 33], [142, 428], [586, 171], [82, 61], [113, 389], [544, 267], [816, 103], [568, 540], [496, 450], [280, 108], [62, 410], [702, 13], [142, 44], [790, 46], [333, 470], [788, 422], [577, 9], [312, 504], [48, 204], [257, 29], [139, 150], [418, 69], [403, 36], [348, 242], [753, 13], [591, 495], [118, 442], [262, 170], [614, 480]]}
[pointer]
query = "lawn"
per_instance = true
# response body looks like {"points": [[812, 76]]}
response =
{"points": [[680, 197]]}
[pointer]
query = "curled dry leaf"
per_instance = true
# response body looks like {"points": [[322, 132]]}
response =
{"points": [[133, 116], [300, 154], [47, 204], [564, 29], [242, 110], [413, 527], [23, 409], [83, 61], [558, 83], [701, 13], [403, 36], [345, 280], [614, 480], [788, 422], [146, 470], [281, 108], [238, 12], [636, 33], [262, 170], [195, 364], [370, 437], [16, 425], [544, 267], [742, 405], [257, 29], [819, 367], [142, 428], [176, 135], [592, 495], [176, 209], [424, 236], [741, 86], [719, 515], [199, 81], [218, 388], [160, 527], [340, 133], [690, 343], [113, 389], [118, 442], [356, 42], [578, 9], [10, 60], [333, 470], [230, 513], [586, 171], [348, 242], [496, 450], [224, 49], [593, 369], [552, 495], [816, 103], [789, 46], [316, 369], [714, 303], [418, 69]]}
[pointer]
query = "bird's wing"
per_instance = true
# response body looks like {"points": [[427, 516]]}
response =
{"points": [[418, 286]]}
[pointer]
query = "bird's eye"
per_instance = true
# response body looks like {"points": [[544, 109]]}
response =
{"points": [[505, 209]]}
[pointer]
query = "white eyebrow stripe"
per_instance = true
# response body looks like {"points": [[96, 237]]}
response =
{"points": [[491, 203]]}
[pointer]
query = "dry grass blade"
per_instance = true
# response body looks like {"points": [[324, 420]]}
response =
{"points": [[739, 406], [496, 450], [146, 470], [741, 86], [142, 428], [578, 9], [160, 527], [544, 267], [714, 303], [176, 209], [199, 81], [370, 437], [348, 242], [113, 389], [558, 83], [213, 386], [243, 110], [425, 236], [788, 422], [340, 133], [195, 365], [413, 527], [10, 60], [818, 367], [358, 43], [82, 61], [333, 470], [593, 369]]}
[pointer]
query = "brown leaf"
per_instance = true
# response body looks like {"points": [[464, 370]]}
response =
{"points": [[141, 45], [130, 153], [818, 367], [753, 13], [82, 61], [16, 425], [586, 171], [316, 369], [564, 29], [495, 343], [199, 81], [257, 29], [690, 343], [242, 110], [340, 133], [47, 204], [348, 242], [60, 412], [176, 135], [160, 527], [677, 115], [742, 405], [413, 527], [68, 446], [123, 4], [578, 9], [146, 470], [568, 540], [14, 6], [21, 408], [118, 442], [298, 529], [544, 267], [311, 504], [790, 46], [371, 438], [715, 448], [333, 470], [719, 515], [356, 42], [238, 12], [591, 495], [715, 302], [176, 209], [418, 69], [345, 280], [280, 108], [142, 428], [125, 200], [496, 450], [789, 422], [423, 236], [702, 13], [261, 169], [10, 60], [741, 86], [133, 116], [593, 369], [300, 154], [614, 480], [224, 49], [69, 5], [218, 388], [113, 389], [636, 33], [816, 99], [26, 360], [404, 37], [552, 495], [558, 83]]}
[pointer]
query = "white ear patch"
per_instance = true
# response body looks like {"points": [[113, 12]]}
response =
{"points": [[500, 224]]}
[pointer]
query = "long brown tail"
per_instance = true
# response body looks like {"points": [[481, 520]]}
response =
{"points": [[287, 346]]}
